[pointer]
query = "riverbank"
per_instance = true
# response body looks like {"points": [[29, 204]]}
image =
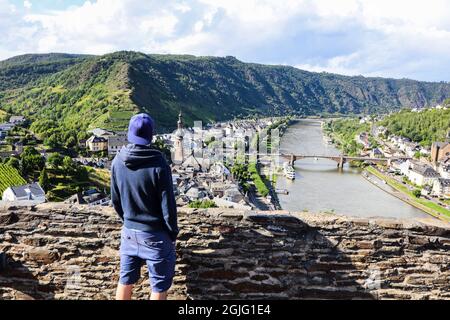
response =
{"points": [[405, 195], [265, 186], [321, 187]]}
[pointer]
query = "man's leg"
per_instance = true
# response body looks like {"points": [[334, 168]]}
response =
{"points": [[130, 264], [124, 292], [159, 296]]}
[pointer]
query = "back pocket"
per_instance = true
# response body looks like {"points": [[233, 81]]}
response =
{"points": [[154, 244]]}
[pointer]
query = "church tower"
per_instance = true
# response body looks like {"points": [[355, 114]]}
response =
{"points": [[179, 152]]}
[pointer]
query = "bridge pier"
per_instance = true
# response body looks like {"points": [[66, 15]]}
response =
{"points": [[293, 159], [341, 162]]}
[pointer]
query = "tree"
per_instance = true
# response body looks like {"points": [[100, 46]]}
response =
{"points": [[13, 162], [417, 193], [52, 141], [71, 142], [68, 166], [81, 173], [44, 180], [32, 162], [161, 146], [55, 160]]}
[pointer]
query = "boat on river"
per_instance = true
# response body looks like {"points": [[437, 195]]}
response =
{"points": [[289, 171]]}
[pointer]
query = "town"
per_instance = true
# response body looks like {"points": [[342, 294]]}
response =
{"points": [[210, 165]]}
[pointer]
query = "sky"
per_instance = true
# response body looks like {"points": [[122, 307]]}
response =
{"points": [[388, 38]]}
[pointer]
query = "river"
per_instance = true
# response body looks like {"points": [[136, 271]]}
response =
{"points": [[321, 187]]}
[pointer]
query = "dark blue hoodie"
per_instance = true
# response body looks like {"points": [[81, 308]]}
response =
{"points": [[141, 190]]}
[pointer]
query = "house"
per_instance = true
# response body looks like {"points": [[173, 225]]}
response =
{"points": [[196, 193], [444, 169], [96, 144], [424, 151], [233, 194], [363, 138], [6, 127], [422, 175], [196, 163], [102, 133], [218, 188], [91, 197], [410, 148], [26, 192], [82, 143], [223, 203], [18, 146], [403, 166], [376, 153], [402, 143], [380, 131], [439, 150], [116, 142], [17, 120], [441, 188]]}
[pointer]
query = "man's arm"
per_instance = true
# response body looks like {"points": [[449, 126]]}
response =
{"points": [[168, 204], [115, 195]]}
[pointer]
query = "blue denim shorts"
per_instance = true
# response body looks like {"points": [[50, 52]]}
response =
{"points": [[156, 249]]}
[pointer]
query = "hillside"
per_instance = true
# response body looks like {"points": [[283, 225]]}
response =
{"points": [[422, 127], [9, 177], [24, 70], [71, 92]]}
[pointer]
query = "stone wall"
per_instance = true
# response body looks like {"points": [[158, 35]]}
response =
{"points": [[63, 252]]}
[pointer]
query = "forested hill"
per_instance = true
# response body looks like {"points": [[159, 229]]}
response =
{"points": [[77, 92], [423, 127]]}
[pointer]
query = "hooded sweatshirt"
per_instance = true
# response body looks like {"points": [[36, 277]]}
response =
{"points": [[141, 190]]}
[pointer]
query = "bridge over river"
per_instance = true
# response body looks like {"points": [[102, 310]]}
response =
{"points": [[340, 159]]}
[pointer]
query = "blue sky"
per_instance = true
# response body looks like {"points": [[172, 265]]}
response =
{"points": [[46, 5], [389, 38]]}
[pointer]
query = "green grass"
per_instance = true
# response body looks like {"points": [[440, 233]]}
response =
{"points": [[423, 203], [5, 148], [202, 204], [3, 115], [258, 180], [9, 177], [101, 178], [65, 186]]}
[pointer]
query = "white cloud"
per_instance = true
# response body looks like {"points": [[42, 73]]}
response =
{"points": [[385, 38], [27, 4]]}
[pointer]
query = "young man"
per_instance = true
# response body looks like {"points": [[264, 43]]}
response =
{"points": [[142, 195]]}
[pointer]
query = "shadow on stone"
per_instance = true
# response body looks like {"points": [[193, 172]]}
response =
{"points": [[18, 282], [258, 256]]}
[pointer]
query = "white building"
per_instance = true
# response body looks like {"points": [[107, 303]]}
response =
{"points": [[26, 192], [404, 167], [17, 120], [116, 142], [441, 188], [444, 170], [422, 175]]}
